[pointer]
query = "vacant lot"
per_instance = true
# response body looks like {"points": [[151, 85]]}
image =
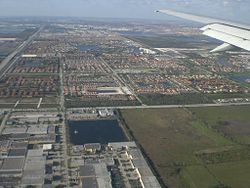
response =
{"points": [[189, 148], [235, 174], [173, 41], [231, 122]]}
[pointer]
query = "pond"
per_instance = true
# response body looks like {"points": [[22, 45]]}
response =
{"points": [[96, 131]]}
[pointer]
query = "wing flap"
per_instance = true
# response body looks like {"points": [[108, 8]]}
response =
{"points": [[223, 47], [232, 37], [230, 33], [202, 19], [230, 30], [191, 17]]}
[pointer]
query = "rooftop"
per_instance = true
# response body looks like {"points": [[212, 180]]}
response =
{"points": [[17, 152], [13, 164]]}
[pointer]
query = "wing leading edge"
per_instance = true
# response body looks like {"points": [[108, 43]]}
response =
{"points": [[232, 34]]}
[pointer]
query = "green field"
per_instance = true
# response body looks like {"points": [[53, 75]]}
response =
{"points": [[194, 147], [235, 174], [180, 99], [77, 102], [198, 176], [28, 102], [171, 41]]}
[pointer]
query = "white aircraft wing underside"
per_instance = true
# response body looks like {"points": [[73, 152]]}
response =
{"points": [[232, 34]]}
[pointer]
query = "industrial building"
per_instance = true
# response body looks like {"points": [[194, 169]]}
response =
{"points": [[95, 176]]}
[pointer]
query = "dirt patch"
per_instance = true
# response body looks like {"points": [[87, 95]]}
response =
{"points": [[234, 128]]}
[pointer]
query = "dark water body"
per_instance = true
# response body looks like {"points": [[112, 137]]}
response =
{"points": [[142, 84], [10, 31], [167, 84], [136, 51], [98, 131], [35, 63], [58, 30], [106, 91], [222, 61], [88, 47], [135, 33], [240, 78]]}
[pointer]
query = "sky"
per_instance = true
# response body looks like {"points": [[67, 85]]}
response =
{"points": [[234, 10]]}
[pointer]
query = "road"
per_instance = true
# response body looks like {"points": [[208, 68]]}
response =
{"points": [[4, 121], [7, 62], [120, 80], [64, 130], [165, 106], [133, 107]]}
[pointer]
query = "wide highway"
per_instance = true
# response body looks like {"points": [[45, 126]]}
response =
{"points": [[10, 59], [165, 106]]}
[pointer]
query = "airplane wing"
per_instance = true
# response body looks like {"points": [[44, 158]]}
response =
{"points": [[232, 34]]}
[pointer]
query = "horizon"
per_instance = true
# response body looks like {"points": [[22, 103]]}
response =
{"points": [[233, 10]]}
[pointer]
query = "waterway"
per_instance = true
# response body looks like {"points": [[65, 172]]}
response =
{"points": [[88, 47], [241, 79], [97, 131], [136, 33]]}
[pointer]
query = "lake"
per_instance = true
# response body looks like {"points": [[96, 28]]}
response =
{"points": [[96, 131], [242, 78], [88, 47]]}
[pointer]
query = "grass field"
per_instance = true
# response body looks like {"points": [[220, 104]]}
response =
{"points": [[188, 148], [231, 122], [171, 41], [234, 174], [212, 115], [28, 102], [198, 176], [180, 99]]}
